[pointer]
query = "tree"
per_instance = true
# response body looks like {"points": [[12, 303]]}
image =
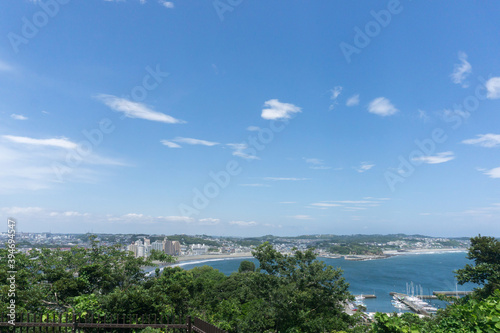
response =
{"points": [[246, 266], [161, 256], [485, 251], [305, 294]]}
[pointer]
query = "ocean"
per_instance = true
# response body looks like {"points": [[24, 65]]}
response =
{"points": [[431, 271]]}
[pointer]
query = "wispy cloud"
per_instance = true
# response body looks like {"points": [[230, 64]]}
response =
{"points": [[349, 205], [166, 4], [493, 173], [285, 179], [325, 204], [461, 70], [484, 140], [436, 159], [18, 117], [253, 128], [334, 94], [301, 217], [170, 144], [316, 164], [277, 110], [382, 106], [365, 166], [243, 223], [209, 221], [239, 149], [34, 164], [136, 110], [191, 141], [55, 142], [353, 100], [493, 88]]}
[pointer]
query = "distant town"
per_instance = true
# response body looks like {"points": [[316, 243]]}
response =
{"points": [[351, 247]]}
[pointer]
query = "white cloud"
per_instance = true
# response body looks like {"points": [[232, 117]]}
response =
{"points": [[277, 110], [436, 159], [209, 221], [16, 211], [243, 223], [18, 117], [170, 144], [334, 93], [461, 70], [484, 140], [175, 218], [166, 4], [191, 141], [301, 217], [493, 173], [253, 128], [316, 164], [325, 204], [34, 164], [353, 100], [239, 150], [382, 106], [285, 179], [493, 87], [365, 166], [60, 142], [136, 110]]}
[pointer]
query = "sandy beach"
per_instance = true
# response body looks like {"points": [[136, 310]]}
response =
{"points": [[210, 256]]}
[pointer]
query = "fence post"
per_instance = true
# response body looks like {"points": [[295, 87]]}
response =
{"points": [[189, 324], [74, 323]]}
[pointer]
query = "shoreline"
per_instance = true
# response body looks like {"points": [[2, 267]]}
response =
{"points": [[424, 251], [360, 257], [207, 257]]}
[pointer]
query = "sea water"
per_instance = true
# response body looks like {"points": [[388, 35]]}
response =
{"points": [[431, 271]]}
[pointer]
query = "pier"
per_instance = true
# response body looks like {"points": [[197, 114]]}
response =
{"points": [[366, 296], [413, 306]]}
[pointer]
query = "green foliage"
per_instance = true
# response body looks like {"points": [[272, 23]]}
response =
{"points": [[246, 266], [485, 251], [355, 249], [53, 279], [188, 240], [161, 256], [470, 316]]}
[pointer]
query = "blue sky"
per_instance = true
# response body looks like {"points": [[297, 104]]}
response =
{"points": [[250, 117]]}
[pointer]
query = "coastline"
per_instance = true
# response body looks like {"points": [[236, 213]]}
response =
{"points": [[209, 257], [424, 251], [386, 254]]}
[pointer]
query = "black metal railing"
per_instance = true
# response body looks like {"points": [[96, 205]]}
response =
{"points": [[90, 323]]}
